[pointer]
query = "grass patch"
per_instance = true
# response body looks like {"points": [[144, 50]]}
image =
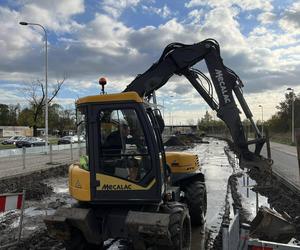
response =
{"points": [[8, 146], [282, 138], [53, 141]]}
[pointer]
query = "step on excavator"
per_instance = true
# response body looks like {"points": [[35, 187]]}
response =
{"points": [[125, 184]]}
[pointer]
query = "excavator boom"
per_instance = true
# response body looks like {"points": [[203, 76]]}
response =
{"points": [[178, 59]]}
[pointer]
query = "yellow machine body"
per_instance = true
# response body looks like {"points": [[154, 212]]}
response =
{"points": [[182, 163], [79, 183], [79, 179]]}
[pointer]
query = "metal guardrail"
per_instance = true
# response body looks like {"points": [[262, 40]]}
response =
{"points": [[40, 149], [35, 158]]}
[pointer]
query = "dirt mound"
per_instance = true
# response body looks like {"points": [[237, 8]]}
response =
{"points": [[40, 240], [37, 191], [32, 182], [174, 141]]}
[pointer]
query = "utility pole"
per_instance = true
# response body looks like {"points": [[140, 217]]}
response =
{"points": [[293, 114], [46, 80], [262, 119]]}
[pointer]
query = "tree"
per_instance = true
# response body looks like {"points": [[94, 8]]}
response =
{"points": [[36, 97], [61, 119], [26, 117], [208, 125], [66, 121], [4, 113], [54, 116], [282, 120], [9, 114]]}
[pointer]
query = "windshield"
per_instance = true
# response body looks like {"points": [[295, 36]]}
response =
{"points": [[124, 151]]}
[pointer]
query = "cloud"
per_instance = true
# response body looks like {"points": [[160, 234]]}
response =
{"points": [[290, 22], [266, 17], [10, 97], [163, 12], [54, 15], [115, 8], [243, 4], [194, 17], [106, 46]]}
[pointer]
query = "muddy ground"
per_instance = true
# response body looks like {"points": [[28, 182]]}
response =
{"points": [[46, 190]]}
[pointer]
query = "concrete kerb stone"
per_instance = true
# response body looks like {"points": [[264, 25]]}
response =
{"points": [[286, 182]]}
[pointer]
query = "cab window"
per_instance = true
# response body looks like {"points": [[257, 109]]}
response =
{"points": [[123, 148]]}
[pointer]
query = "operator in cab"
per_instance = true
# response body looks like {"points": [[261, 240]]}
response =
{"points": [[114, 147]]}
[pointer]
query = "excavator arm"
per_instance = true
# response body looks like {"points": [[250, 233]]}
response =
{"points": [[178, 59]]}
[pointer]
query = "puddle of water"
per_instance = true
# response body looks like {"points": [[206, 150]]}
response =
{"points": [[59, 185], [217, 170]]}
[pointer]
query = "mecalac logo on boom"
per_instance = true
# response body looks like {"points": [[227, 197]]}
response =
{"points": [[220, 78]]}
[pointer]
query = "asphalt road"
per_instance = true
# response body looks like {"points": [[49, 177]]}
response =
{"points": [[285, 162]]}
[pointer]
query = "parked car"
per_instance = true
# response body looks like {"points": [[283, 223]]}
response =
{"points": [[31, 142], [13, 140], [69, 139]]}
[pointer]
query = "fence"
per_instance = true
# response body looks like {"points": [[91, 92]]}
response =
{"points": [[15, 161], [230, 233]]}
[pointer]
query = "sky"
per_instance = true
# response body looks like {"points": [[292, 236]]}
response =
{"points": [[119, 39]]}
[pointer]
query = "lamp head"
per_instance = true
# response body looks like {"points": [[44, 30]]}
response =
{"points": [[23, 23]]}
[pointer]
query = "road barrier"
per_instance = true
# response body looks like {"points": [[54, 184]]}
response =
{"points": [[235, 236], [230, 233], [11, 201]]}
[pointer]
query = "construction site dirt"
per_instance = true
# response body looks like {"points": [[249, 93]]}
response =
{"points": [[226, 184]]}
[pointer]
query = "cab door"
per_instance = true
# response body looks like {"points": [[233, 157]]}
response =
{"points": [[124, 156]]}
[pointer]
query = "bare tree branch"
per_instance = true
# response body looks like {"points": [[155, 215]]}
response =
{"points": [[35, 95]]}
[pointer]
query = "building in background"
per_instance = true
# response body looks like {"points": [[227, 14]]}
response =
{"points": [[8, 131]]}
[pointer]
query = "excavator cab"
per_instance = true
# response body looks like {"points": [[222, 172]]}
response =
{"points": [[121, 152], [125, 184]]}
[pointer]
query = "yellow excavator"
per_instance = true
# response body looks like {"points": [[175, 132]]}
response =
{"points": [[126, 185]]}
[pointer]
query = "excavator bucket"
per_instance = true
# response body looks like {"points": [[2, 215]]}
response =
{"points": [[256, 160], [271, 226], [260, 163]]}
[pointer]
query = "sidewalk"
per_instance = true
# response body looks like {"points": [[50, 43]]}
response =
{"points": [[286, 165]]}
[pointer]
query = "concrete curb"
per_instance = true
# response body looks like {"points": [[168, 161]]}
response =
{"points": [[288, 183]]}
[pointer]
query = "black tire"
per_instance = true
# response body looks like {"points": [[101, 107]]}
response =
{"points": [[78, 242], [196, 199], [180, 230]]}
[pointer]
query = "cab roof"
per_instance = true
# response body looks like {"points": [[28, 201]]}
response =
{"points": [[125, 96]]}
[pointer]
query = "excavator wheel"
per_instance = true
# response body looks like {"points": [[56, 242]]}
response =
{"points": [[78, 242], [195, 196], [180, 231]]}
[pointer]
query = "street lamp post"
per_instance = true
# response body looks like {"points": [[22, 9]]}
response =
{"points": [[46, 79], [262, 119], [293, 115]]}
